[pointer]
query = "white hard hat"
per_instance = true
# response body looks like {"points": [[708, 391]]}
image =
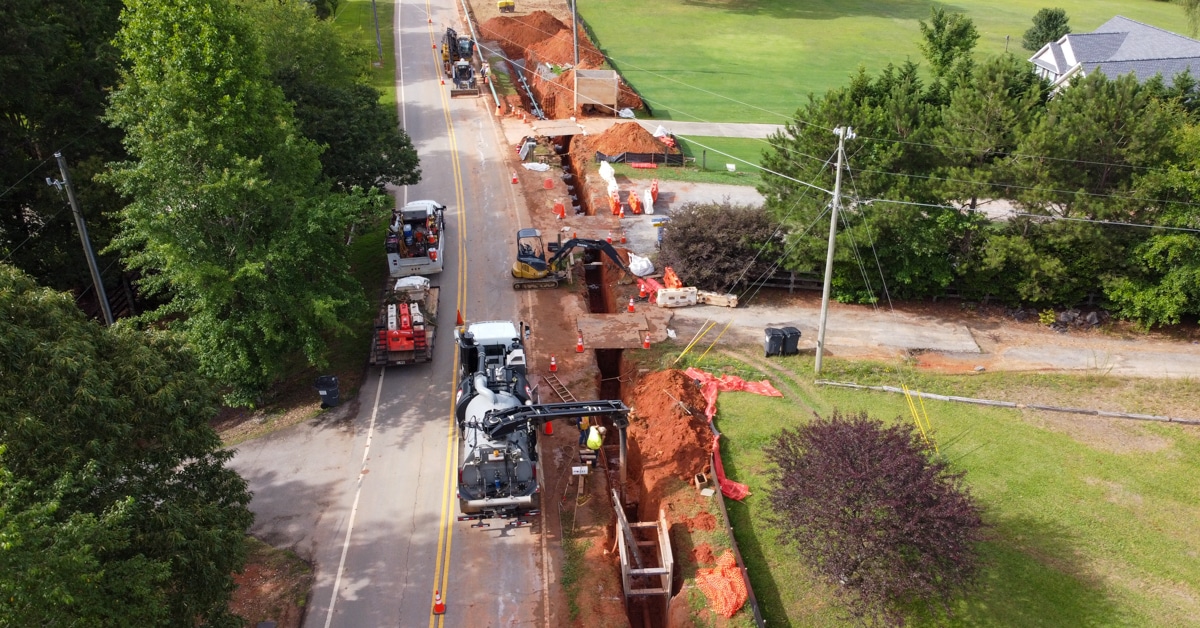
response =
{"points": [[601, 429]]}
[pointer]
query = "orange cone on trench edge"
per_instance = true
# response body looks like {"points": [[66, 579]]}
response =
{"points": [[553, 364], [579, 344], [631, 305], [439, 607], [646, 342], [514, 177]]}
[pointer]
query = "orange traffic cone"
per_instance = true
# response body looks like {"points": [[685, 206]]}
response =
{"points": [[549, 428], [579, 344], [622, 236], [553, 364], [574, 235], [439, 607], [646, 342], [442, 81], [609, 238], [631, 304], [514, 177], [460, 318], [641, 290], [621, 212]]}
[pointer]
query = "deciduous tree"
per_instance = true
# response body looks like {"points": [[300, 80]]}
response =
{"points": [[1048, 25], [874, 513], [947, 41], [324, 76], [230, 216], [116, 507]]}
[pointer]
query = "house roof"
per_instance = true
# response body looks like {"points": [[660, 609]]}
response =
{"points": [[1122, 46]]}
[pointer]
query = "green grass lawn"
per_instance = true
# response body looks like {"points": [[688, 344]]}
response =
{"points": [[356, 21], [1092, 524], [759, 61]]}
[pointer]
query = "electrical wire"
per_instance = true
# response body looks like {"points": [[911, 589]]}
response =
{"points": [[1116, 223]]}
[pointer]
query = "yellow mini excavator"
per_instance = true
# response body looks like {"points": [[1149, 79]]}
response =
{"points": [[534, 271]]}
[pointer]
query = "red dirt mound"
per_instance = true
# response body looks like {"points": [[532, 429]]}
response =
{"points": [[517, 34], [560, 50], [667, 442], [702, 521], [703, 553], [628, 137]]}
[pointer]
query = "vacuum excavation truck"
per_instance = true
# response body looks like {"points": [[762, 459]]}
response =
{"points": [[499, 418]]}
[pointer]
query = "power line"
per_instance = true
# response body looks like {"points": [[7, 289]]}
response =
{"points": [[1028, 187], [1038, 216]]}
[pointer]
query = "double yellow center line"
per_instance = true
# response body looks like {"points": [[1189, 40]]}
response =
{"points": [[441, 575]]}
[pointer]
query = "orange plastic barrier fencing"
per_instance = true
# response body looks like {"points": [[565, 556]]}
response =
{"points": [[723, 585]]}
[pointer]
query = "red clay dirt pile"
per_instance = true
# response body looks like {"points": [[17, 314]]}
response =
{"points": [[628, 137], [517, 34], [666, 442], [540, 38]]}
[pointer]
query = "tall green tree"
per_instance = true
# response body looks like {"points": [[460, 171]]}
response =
{"points": [[983, 124], [116, 507], [1048, 25], [1080, 162], [893, 115], [947, 41], [57, 66], [230, 215], [324, 77], [1163, 284]]}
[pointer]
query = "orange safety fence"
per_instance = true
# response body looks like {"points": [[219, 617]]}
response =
{"points": [[709, 387], [723, 585]]}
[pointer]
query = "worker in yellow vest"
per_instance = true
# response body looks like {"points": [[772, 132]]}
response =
{"points": [[595, 438]]}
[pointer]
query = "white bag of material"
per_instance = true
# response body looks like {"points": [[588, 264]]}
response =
{"points": [[648, 202], [640, 266], [661, 132], [626, 113], [536, 167]]}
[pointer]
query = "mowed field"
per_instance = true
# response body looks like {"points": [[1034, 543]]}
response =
{"points": [[1092, 520], [757, 61]]}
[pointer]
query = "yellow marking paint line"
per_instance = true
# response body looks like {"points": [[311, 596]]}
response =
{"points": [[446, 519]]}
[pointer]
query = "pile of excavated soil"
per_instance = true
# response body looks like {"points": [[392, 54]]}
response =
{"points": [[628, 137], [703, 521], [560, 50], [703, 555], [666, 442], [517, 34]]}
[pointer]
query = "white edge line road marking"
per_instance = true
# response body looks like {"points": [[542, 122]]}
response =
{"points": [[337, 582]]}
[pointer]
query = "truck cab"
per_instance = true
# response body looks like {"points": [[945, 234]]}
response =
{"points": [[415, 241]]}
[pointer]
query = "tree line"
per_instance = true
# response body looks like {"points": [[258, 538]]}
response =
{"points": [[222, 151], [1079, 165]]}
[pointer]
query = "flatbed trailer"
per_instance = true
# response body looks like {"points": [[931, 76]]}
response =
{"points": [[406, 325]]}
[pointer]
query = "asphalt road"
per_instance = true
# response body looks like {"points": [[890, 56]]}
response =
{"points": [[367, 493]]}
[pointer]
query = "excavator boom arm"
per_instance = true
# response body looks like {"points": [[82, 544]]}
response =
{"points": [[595, 245]]}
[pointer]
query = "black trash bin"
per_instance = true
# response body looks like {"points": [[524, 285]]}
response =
{"points": [[772, 342], [327, 385], [791, 341]]}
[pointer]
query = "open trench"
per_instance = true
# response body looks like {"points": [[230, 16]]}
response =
{"points": [[613, 374], [573, 178]]}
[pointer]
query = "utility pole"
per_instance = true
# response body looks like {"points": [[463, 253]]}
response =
{"points": [[575, 69], [83, 236], [844, 133], [378, 42]]}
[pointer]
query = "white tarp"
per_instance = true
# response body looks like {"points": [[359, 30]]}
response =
{"points": [[626, 113], [537, 167]]}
